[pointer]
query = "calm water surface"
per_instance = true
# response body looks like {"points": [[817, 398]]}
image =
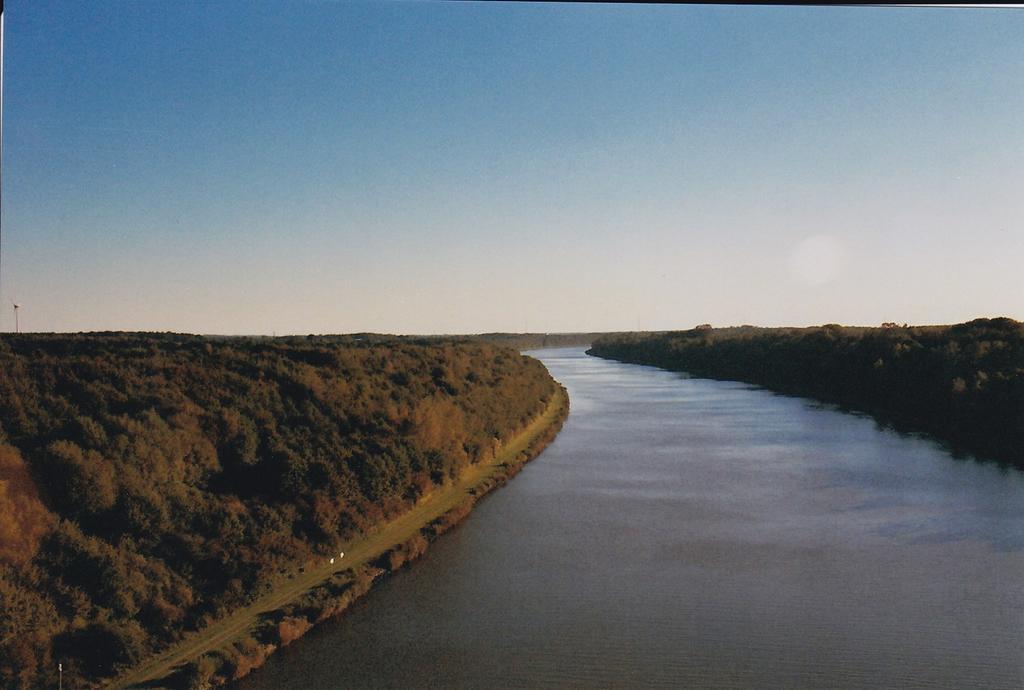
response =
{"points": [[693, 533]]}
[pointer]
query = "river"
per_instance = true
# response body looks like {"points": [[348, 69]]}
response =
{"points": [[684, 532]]}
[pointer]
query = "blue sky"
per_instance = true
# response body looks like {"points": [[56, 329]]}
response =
{"points": [[325, 167]]}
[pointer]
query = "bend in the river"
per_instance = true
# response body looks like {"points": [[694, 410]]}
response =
{"points": [[688, 532]]}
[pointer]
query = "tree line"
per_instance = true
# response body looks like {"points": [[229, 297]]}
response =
{"points": [[963, 384], [150, 483]]}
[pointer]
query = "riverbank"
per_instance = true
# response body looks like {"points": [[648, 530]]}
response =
{"points": [[232, 647], [687, 532], [963, 384]]}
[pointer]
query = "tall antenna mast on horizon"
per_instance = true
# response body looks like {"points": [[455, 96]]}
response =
{"points": [[17, 326]]}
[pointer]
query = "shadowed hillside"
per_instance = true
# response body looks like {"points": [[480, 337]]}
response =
{"points": [[962, 383]]}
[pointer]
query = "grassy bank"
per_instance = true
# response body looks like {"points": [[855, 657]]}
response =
{"points": [[234, 645]]}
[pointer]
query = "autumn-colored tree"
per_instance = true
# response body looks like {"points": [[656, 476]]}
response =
{"points": [[151, 482]]}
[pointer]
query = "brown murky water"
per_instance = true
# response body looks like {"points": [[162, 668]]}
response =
{"points": [[694, 533]]}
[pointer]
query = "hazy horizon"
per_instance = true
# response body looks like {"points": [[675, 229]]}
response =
{"points": [[431, 168]]}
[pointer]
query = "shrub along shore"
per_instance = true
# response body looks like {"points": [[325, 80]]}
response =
{"points": [[218, 658], [155, 485], [964, 383]]}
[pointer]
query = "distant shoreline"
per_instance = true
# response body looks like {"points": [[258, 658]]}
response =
{"points": [[227, 650], [963, 384]]}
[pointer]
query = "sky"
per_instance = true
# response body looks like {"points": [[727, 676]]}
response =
{"points": [[460, 167]]}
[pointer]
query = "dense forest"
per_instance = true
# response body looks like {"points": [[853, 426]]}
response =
{"points": [[519, 341], [963, 383], [537, 341], [151, 482]]}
